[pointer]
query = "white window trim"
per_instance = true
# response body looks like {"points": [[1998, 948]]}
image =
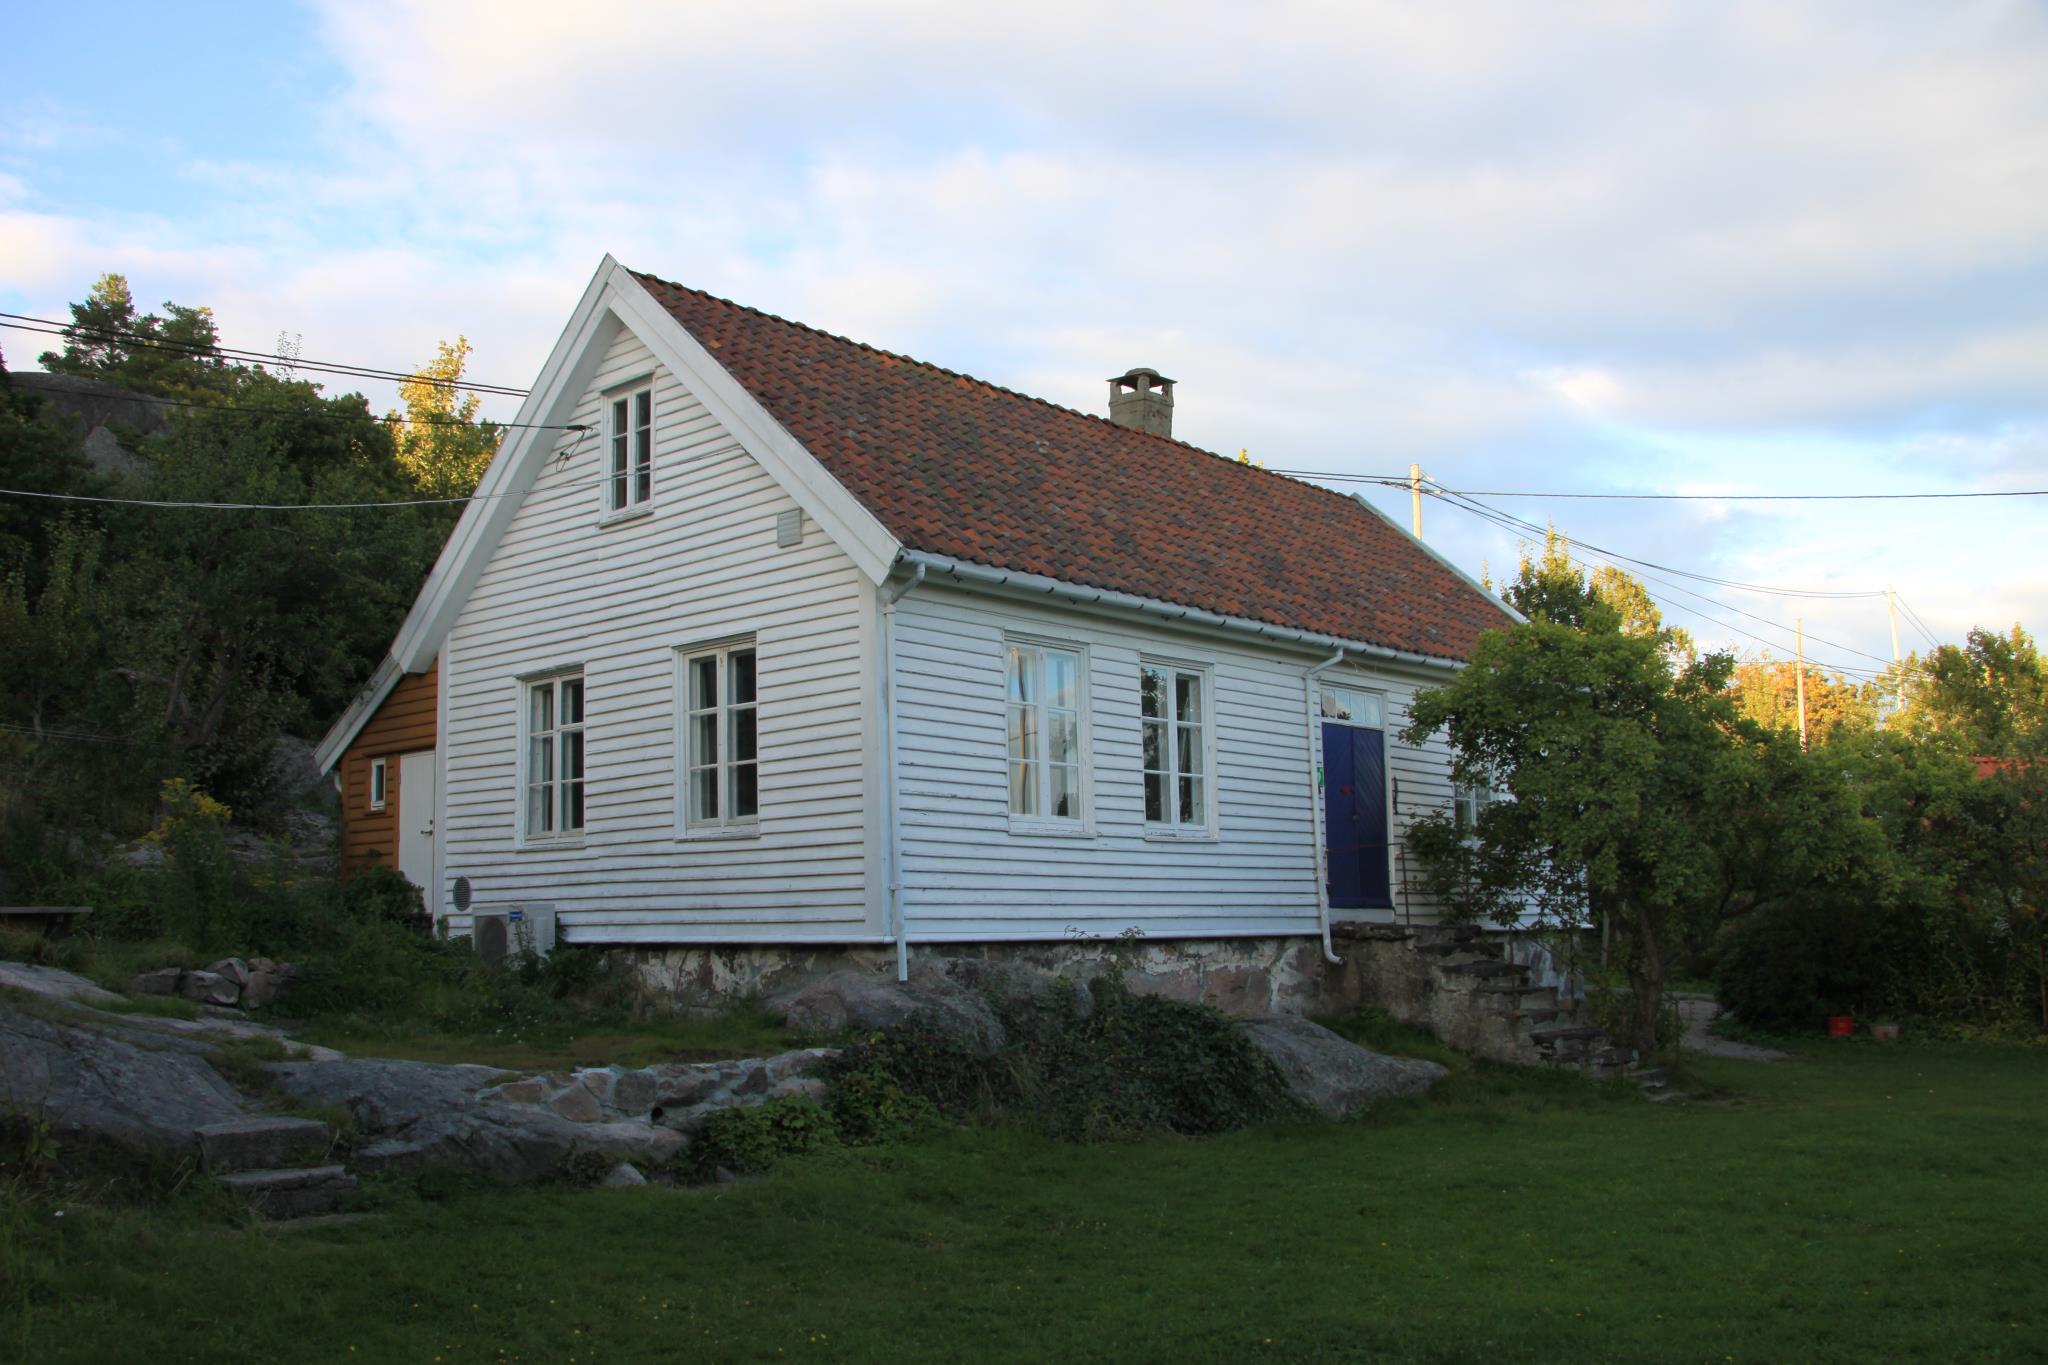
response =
{"points": [[380, 783], [1173, 831], [522, 690], [1081, 826], [747, 827], [627, 394]]}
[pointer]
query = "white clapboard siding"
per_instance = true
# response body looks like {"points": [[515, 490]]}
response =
{"points": [[967, 875], [617, 600]]}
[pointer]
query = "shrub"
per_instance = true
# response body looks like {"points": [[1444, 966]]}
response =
{"points": [[752, 1140], [1792, 966], [1131, 1065]]}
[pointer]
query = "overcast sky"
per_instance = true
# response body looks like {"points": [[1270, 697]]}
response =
{"points": [[1639, 247]]}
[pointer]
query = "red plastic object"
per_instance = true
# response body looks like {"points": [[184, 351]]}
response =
{"points": [[1841, 1025]]}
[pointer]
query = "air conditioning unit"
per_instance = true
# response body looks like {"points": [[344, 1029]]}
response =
{"points": [[516, 929]]}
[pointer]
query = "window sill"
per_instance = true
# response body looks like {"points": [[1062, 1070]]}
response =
{"points": [[1164, 835], [719, 832], [1046, 829], [540, 845], [645, 509]]}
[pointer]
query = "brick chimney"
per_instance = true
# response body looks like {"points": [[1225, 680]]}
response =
{"points": [[1142, 398]]}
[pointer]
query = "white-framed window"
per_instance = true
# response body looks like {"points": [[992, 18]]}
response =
{"points": [[1047, 727], [1178, 753], [552, 781], [629, 450], [720, 743], [380, 780], [1352, 706], [1467, 802]]}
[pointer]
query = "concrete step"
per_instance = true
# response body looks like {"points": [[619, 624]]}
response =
{"points": [[262, 1143], [301, 1193]]}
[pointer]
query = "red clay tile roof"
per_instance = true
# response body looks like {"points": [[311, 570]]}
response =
{"points": [[958, 467]]}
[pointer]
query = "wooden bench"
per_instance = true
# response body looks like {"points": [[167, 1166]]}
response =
{"points": [[48, 918]]}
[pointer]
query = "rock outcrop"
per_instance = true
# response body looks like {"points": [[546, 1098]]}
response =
{"points": [[1331, 1075], [854, 999], [142, 1091]]}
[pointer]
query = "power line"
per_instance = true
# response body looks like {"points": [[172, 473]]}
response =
{"points": [[1518, 523], [1509, 522], [251, 506], [23, 322], [393, 420], [1393, 482]]}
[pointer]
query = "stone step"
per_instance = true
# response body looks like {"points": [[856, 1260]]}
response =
{"points": [[1453, 948], [1514, 988], [1379, 933], [301, 1193], [1565, 1033], [1485, 969], [263, 1142], [1540, 1015], [1649, 1077]]}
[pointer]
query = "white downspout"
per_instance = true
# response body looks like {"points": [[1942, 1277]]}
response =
{"points": [[892, 851], [1315, 801]]}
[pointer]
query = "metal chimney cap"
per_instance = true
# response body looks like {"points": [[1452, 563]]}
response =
{"points": [[1137, 377]]}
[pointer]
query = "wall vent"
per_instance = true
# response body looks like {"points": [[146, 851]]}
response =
{"points": [[789, 528]]}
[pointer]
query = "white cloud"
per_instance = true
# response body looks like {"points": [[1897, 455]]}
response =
{"points": [[1629, 244]]}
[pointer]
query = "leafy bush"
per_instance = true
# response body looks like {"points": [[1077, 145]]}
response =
{"points": [[1790, 967], [1132, 1064], [752, 1140]]}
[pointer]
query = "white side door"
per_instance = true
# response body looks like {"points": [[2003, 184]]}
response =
{"points": [[416, 820]]}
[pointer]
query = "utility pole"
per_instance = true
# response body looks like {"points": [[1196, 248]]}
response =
{"points": [[1415, 499], [1891, 606], [1799, 624]]}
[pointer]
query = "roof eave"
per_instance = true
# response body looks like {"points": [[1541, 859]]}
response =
{"points": [[985, 575]]}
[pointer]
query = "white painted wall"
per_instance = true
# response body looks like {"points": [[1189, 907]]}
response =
{"points": [[617, 600], [967, 876]]}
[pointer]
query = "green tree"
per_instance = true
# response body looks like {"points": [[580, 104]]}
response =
{"points": [[1552, 586], [1987, 696], [240, 623], [1615, 758], [1766, 690], [174, 354], [39, 453], [441, 444]]}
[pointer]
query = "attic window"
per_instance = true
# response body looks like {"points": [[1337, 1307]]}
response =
{"points": [[629, 481]]}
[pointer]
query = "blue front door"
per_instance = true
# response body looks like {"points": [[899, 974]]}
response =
{"points": [[1355, 817]]}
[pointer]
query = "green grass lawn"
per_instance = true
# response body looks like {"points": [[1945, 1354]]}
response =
{"points": [[1858, 1203]]}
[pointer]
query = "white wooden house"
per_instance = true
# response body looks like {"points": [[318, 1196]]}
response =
{"points": [[760, 640]]}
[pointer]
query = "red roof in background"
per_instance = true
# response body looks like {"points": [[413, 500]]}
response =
{"points": [[955, 466]]}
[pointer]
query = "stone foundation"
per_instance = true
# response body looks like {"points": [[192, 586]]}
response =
{"points": [[1240, 976]]}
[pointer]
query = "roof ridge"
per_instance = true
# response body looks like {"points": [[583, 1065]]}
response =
{"points": [[986, 383]]}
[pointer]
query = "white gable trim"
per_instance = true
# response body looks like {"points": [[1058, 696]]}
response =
{"points": [[612, 299], [841, 515], [343, 732]]}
